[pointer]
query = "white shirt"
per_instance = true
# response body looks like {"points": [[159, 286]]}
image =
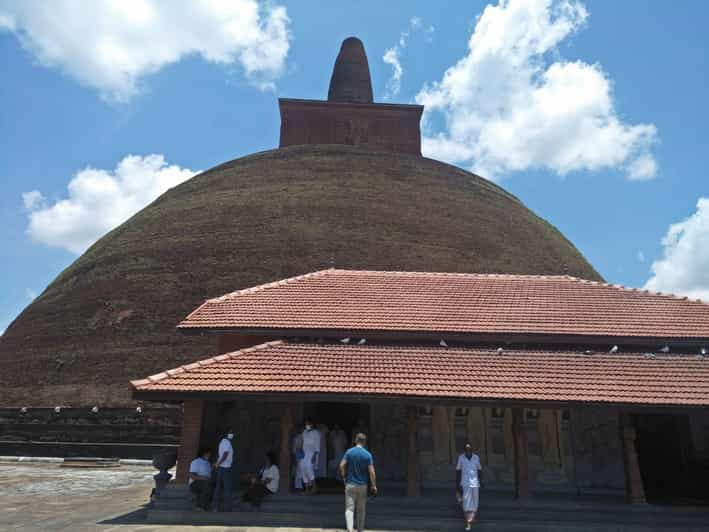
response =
{"points": [[311, 441], [200, 467], [469, 468], [275, 476], [225, 447]]}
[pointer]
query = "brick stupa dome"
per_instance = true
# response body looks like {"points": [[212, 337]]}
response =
{"points": [[359, 197]]}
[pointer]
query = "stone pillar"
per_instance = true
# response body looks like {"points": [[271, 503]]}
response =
{"points": [[476, 431], [413, 482], [635, 492], [549, 430], [521, 455], [441, 435], [285, 454], [189, 441]]}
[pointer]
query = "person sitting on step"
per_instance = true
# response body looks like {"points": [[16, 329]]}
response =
{"points": [[200, 480], [265, 483]]}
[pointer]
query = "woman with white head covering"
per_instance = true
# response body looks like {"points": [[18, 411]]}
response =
{"points": [[311, 450]]}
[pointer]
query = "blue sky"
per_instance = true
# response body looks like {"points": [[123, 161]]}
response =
{"points": [[613, 150]]}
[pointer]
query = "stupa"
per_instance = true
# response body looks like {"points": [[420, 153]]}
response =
{"points": [[347, 187]]}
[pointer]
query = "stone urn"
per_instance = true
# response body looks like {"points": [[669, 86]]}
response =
{"points": [[162, 461]]}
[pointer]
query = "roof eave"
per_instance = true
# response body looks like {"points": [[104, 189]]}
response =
{"points": [[286, 397], [454, 336]]}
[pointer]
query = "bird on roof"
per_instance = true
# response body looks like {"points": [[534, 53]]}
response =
{"points": [[500, 350], [345, 340], [588, 352], [703, 351], [614, 349], [665, 349], [443, 343], [139, 409], [649, 355], [57, 409], [94, 410], [362, 341]]}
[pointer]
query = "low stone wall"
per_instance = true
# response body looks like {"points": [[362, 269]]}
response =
{"points": [[108, 432]]}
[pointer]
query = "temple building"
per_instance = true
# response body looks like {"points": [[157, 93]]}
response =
{"points": [[561, 384]]}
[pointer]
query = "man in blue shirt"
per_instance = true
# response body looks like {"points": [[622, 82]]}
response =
{"points": [[356, 467]]}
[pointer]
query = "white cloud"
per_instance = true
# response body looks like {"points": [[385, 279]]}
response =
{"points": [[684, 266], [6, 22], [30, 294], [111, 44], [393, 85], [507, 107], [644, 167], [392, 56], [100, 200], [32, 200]]}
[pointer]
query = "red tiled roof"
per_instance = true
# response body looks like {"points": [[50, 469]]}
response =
{"points": [[459, 373], [448, 302]]}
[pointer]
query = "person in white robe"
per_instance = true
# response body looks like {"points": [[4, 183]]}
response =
{"points": [[311, 451], [467, 483]]}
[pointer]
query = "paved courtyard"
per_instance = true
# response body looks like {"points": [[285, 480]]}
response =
{"points": [[49, 497]]}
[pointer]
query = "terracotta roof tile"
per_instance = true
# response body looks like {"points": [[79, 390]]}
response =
{"points": [[462, 373], [457, 303]]}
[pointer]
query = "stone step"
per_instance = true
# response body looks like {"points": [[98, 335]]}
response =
{"points": [[175, 498], [389, 509], [404, 523]]}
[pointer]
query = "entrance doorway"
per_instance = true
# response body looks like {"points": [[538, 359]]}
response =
{"points": [[350, 417], [664, 447]]}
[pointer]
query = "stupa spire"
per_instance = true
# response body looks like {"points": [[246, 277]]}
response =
{"points": [[349, 116], [351, 81]]}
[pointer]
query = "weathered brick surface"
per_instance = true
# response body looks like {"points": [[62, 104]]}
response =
{"points": [[379, 127], [351, 81], [254, 220]]}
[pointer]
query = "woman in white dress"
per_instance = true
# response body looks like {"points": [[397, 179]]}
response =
{"points": [[311, 451]]}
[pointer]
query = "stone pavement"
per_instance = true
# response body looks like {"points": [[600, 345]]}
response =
{"points": [[44, 497]]}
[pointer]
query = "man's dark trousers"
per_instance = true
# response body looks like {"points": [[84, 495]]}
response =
{"points": [[203, 491]]}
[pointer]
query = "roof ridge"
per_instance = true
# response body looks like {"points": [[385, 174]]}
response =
{"points": [[461, 274], [272, 284], [186, 368]]}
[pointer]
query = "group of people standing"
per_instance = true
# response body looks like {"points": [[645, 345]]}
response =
{"points": [[311, 448], [211, 483]]}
